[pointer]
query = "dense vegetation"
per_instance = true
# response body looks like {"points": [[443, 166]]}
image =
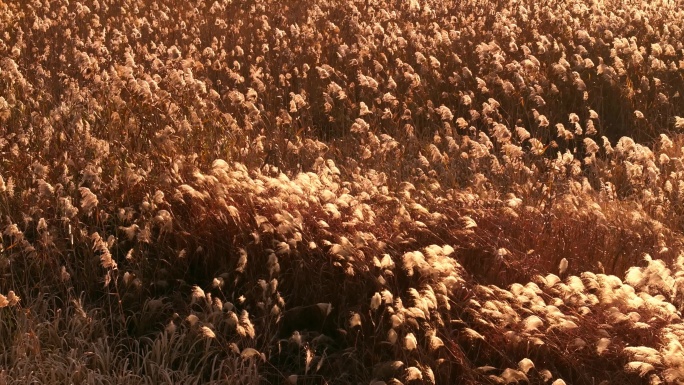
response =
{"points": [[341, 192]]}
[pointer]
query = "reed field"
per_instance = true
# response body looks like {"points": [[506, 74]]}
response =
{"points": [[368, 192]]}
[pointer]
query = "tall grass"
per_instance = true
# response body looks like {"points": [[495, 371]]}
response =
{"points": [[341, 192]]}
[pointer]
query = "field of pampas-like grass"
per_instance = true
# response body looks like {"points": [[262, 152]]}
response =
{"points": [[366, 192]]}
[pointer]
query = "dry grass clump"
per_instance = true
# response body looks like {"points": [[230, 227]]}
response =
{"points": [[375, 192]]}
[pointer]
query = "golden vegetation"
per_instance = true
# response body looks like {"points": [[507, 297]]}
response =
{"points": [[372, 192]]}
